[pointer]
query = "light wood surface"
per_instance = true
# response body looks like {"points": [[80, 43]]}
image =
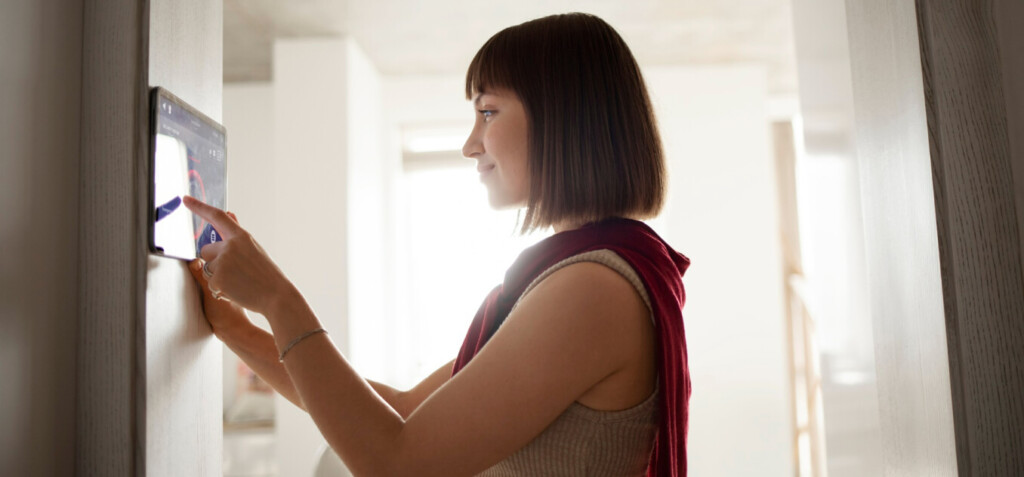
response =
{"points": [[149, 378], [891, 138], [942, 236], [183, 372], [112, 239]]}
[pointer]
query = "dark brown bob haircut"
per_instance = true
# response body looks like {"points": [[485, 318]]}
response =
{"points": [[594, 148]]}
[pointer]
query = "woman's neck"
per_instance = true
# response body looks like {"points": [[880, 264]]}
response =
{"points": [[562, 227], [571, 225]]}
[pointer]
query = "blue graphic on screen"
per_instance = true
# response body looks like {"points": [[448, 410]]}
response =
{"points": [[189, 159]]}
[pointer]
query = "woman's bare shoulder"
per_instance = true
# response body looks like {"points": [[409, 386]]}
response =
{"points": [[594, 295]]}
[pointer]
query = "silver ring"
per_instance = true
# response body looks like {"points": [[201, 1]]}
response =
{"points": [[217, 294], [206, 270]]}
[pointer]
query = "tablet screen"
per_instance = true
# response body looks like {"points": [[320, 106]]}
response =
{"points": [[188, 158]]}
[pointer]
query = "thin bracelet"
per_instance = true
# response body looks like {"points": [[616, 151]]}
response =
{"points": [[299, 339]]}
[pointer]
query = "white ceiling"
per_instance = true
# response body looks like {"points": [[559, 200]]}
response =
{"points": [[441, 36]]}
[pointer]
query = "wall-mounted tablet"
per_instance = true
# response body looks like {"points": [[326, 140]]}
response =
{"points": [[188, 157]]}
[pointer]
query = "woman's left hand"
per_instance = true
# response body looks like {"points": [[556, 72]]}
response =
{"points": [[239, 269]]}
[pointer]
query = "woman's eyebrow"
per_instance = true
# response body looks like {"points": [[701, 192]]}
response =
{"points": [[479, 98]]}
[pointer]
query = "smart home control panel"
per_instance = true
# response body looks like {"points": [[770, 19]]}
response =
{"points": [[188, 156]]}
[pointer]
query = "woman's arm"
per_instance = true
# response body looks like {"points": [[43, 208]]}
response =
{"points": [[256, 348], [564, 337], [571, 332], [405, 402]]}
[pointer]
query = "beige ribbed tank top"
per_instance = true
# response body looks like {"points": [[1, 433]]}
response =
{"points": [[585, 442]]}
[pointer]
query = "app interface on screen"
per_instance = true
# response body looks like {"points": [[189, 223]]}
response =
{"points": [[189, 160]]}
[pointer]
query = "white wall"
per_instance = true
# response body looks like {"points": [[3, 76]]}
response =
{"points": [[722, 213], [416, 106], [252, 195], [249, 120], [370, 221], [310, 144], [307, 178]]}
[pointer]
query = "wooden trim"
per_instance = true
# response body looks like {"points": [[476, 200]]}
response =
{"points": [[1009, 14], [979, 243]]}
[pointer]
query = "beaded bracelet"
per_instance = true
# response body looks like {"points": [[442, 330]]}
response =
{"points": [[297, 340]]}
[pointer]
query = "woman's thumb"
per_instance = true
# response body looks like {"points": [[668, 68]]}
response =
{"points": [[196, 268]]}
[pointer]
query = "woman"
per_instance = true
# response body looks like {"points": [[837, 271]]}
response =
{"points": [[584, 371]]}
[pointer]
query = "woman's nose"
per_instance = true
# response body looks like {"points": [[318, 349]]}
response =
{"points": [[473, 146]]}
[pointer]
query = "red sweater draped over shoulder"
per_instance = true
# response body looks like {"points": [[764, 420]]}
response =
{"points": [[660, 269]]}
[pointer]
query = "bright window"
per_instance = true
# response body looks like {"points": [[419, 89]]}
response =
{"points": [[453, 250]]}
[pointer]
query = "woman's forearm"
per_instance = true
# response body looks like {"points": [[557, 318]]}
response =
{"points": [[256, 348], [356, 421]]}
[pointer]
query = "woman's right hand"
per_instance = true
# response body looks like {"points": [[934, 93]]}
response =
{"points": [[223, 315]]}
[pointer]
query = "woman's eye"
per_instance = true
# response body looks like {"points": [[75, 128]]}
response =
{"points": [[487, 113]]}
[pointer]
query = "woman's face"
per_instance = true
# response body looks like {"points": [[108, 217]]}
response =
{"points": [[499, 145]]}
